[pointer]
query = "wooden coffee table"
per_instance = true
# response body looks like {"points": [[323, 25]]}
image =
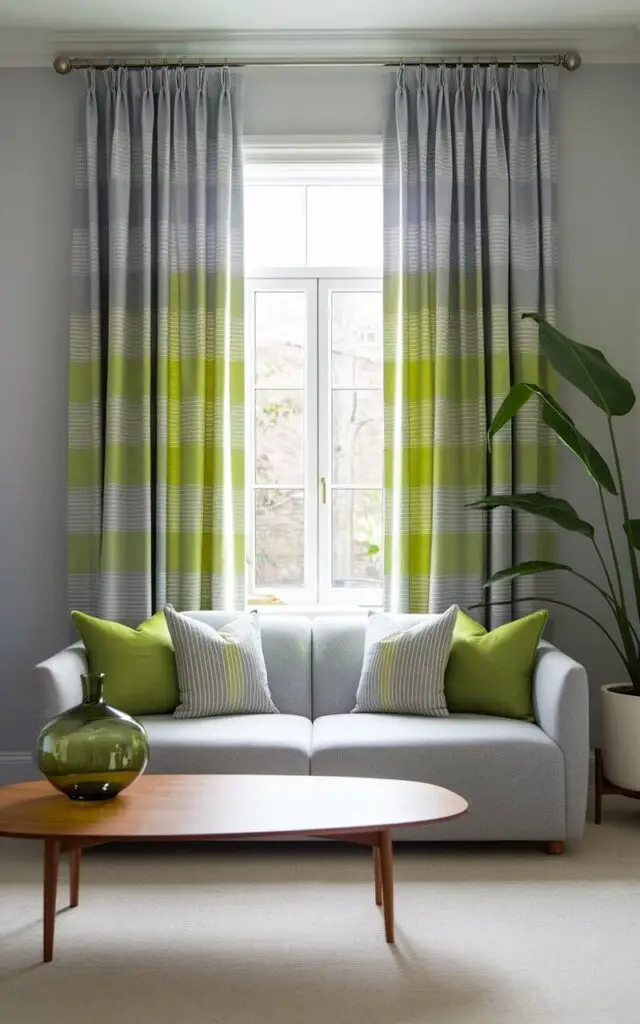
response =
{"points": [[185, 808]]}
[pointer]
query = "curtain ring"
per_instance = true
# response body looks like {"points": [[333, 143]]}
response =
{"points": [[475, 74], [513, 75]]}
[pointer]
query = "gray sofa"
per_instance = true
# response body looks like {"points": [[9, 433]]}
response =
{"points": [[523, 780]]}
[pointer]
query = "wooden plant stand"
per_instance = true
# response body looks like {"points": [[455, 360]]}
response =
{"points": [[605, 788]]}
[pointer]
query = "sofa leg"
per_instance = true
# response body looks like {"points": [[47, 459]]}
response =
{"points": [[554, 846]]}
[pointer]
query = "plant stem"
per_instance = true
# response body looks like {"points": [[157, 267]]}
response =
{"points": [[625, 511], [614, 553], [626, 627], [565, 604], [609, 598]]}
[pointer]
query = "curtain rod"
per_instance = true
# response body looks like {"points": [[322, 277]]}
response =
{"points": [[63, 65]]}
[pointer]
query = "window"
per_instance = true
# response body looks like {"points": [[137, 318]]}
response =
{"points": [[313, 250]]}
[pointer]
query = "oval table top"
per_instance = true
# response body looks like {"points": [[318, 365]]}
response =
{"points": [[175, 807]]}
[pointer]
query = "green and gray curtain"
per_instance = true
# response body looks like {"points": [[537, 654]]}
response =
{"points": [[156, 381], [470, 244]]}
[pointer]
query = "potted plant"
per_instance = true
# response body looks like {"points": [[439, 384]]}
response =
{"points": [[588, 370]]}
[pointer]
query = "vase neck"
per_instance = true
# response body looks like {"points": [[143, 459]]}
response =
{"points": [[92, 684]]}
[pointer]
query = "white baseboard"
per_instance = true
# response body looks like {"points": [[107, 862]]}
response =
{"points": [[16, 766]]}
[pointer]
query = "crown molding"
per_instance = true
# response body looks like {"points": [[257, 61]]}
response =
{"points": [[19, 48]]}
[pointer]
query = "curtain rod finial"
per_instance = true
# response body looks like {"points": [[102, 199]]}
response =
{"points": [[571, 61], [62, 65]]}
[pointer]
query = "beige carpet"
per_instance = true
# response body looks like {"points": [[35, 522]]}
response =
{"points": [[291, 935]]}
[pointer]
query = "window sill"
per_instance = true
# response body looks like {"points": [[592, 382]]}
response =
{"points": [[315, 610]]}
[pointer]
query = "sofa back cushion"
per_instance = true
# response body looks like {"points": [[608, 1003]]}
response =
{"points": [[286, 645], [337, 655]]}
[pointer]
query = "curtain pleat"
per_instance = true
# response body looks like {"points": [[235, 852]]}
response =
{"points": [[469, 219], [156, 402]]}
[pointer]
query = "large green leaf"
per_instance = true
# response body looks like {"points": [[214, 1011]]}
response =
{"points": [[525, 569], [557, 510], [558, 420], [633, 532], [512, 404], [586, 368]]}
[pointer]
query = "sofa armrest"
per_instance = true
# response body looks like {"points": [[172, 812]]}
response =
{"points": [[57, 683], [561, 709]]}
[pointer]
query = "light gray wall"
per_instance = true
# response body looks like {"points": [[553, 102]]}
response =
{"points": [[600, 256], [37, 123], [599, 241]]}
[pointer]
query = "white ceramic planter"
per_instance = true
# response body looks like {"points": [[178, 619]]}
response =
{"points": [[621, 736]]}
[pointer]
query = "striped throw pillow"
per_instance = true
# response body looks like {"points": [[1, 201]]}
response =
{"points": [[403, 670], [220, 671]]}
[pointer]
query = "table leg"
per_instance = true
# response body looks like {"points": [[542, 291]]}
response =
{"points": [[377, 873], [599, 776], [75, 854], [386, 864], [51, 863]]}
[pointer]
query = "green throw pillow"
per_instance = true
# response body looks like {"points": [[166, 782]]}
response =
{"points": [[490, 673], [138, 664]]}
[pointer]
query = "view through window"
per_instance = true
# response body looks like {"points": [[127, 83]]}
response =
{"points": [[313, 253]]}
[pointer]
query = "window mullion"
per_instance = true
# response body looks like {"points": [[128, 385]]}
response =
{"points": [[324, 441], [311, 444]]}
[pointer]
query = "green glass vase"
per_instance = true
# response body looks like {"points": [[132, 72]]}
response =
{"points": [[92, 751]]}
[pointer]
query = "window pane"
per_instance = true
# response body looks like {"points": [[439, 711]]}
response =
{"points": [[279, 438], [280, 335], [274, 225], [356, 339], [357, 437], [279, 532], [344, 224], [357, 538]]}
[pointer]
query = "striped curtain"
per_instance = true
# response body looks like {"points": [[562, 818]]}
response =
{"points": [[470, 244], [156, 375]]}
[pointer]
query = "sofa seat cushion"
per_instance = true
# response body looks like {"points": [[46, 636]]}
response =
{"points": [[229, 744], [510, 771]]}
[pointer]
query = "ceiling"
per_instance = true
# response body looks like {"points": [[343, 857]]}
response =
{"points": [[121, 16]]}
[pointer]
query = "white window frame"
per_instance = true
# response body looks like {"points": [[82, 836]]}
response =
{"points": [[307, 594], [327, 593], [330, 163]]}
